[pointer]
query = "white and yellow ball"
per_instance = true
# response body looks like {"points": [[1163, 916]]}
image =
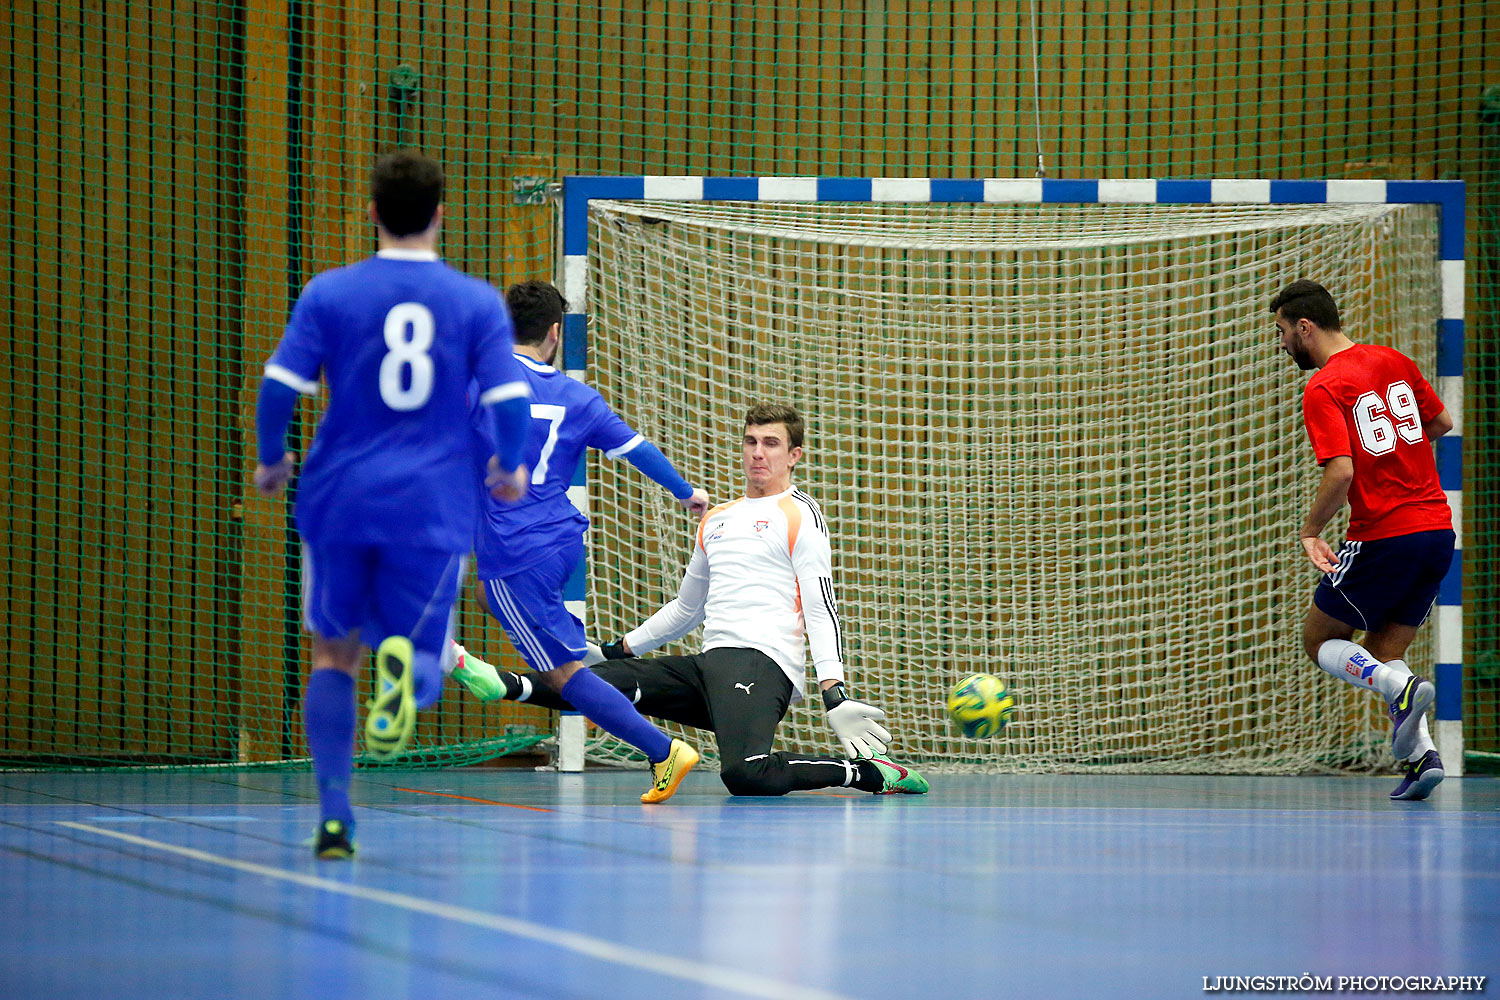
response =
{"points": [[980, 705]]}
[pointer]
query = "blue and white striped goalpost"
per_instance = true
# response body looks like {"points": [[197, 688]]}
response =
{"points": [[1447, 196]]}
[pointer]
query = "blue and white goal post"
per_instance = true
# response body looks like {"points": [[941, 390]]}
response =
{"points": [[1447, 196]]}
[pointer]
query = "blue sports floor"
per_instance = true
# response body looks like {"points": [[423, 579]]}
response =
{"points": [[513, 883]]}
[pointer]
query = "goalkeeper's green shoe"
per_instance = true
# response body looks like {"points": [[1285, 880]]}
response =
{"points": [[333, 842], [393, 710], [481, 678], [898, 780]]}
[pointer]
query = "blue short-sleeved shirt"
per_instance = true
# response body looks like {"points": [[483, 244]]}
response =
{"points": [[400, 339], [567, 418]]}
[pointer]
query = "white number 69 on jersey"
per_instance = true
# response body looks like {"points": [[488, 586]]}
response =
{"points": [[1377, 431]]}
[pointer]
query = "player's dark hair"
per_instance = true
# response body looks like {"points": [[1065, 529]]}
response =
{"points": [[407, 188], [1308, 300], [534, 307], [778, 413]]}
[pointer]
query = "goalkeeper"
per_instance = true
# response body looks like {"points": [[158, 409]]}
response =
{"points": [[761, 573]]}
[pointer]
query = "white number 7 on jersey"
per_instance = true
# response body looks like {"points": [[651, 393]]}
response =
{"points": [[553, 414]]}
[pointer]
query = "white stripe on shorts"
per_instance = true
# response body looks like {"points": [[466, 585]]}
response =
{"points": [[504, 605], [309, 581], [1346, 562]]}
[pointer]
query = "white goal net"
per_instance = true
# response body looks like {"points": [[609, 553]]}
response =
{"points": [[1058, 443]]}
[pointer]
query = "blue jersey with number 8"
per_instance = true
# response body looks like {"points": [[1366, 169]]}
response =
{"points": [[567, 418], [399, 338]]}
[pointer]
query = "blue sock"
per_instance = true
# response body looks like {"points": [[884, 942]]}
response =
{"points": [[426, 678], [328, 715], [605, 706]]}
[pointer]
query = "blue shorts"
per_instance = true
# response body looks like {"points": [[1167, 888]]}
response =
{"points": [[380, 591], [1386, 580], [530, 606]]}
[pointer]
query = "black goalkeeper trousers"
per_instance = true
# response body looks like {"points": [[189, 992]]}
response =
{"points": [[740, 695]]}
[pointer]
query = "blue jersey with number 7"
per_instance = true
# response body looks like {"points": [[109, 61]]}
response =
{"points": [[567, 418], [400, 338]]}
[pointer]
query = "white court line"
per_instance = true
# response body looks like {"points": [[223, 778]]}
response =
{"points": [[605, 951]]}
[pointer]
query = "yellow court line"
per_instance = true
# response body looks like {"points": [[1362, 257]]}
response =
{"points": [[746, 983]]}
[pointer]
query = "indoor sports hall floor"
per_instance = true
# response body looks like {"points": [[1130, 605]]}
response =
{"points": [[513, 883]]}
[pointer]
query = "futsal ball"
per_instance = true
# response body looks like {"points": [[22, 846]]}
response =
{"points": [[980, 705]]}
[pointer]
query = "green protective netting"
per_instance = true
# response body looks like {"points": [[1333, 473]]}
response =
{"points": [[176, 172]]}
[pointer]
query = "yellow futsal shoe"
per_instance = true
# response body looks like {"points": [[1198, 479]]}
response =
{"points": [[669, 773], [393, 710]]}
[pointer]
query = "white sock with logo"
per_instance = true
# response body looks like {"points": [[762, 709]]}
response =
{"points": [[1352, 663], [1424, 741]]}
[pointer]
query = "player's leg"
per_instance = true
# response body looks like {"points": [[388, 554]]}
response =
{"points": [[1328, 641], [413, 600], [482, 679], [1375, 588], [748, 695], [335, 598], [662, 687], [1428, 556], [1422, 769], [478, 677], [550, 639]]}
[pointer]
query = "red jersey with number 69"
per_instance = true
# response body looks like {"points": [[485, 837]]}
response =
{"points": [[1370, 402]]}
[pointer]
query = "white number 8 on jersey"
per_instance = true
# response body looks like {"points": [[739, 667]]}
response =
{"points": [[407, 351]]}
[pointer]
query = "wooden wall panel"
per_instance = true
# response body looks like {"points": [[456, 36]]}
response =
{"points": [[267, 192], [20, 391], [132, 484], [977, 104], [72, 289], [107, 83], [55, 563]]}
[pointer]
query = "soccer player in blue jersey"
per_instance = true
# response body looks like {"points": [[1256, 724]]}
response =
{"points": [[526, 551], [399, 337]]}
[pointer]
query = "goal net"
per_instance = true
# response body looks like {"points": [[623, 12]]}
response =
{"points": [[1059, 443]]}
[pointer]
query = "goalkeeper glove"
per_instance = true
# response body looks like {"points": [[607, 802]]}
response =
{"points": [[615, 650], [857, 724]]}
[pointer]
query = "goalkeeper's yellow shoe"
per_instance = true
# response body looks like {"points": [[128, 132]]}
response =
{"points": [[666, 776], [393, 710]]}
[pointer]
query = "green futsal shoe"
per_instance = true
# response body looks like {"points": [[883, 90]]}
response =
{"points": [[898, 780], [480, 678]]}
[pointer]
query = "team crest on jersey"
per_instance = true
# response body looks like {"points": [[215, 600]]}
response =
{"points": [[761, 526]]}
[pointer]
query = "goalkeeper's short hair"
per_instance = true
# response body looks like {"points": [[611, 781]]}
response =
{"points": [[778, 413]]}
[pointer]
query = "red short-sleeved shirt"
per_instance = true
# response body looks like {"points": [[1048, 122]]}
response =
{"points": [[1370, 402]]}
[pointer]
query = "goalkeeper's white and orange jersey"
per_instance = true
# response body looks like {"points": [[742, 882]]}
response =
{"points": [[761, 577]]}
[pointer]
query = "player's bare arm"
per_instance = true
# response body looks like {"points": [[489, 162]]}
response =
{"points": [[1338, 475], [1438, 426]]}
